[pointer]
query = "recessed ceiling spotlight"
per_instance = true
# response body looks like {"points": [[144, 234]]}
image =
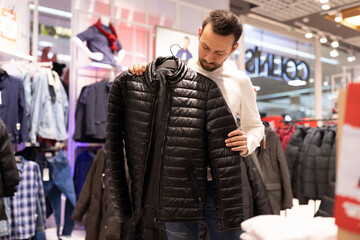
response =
{"points": [[338, 17], [323, 39], [334, 53], [324, 1], [351, 58], [325, 7], [335, 44], [308, 35]]}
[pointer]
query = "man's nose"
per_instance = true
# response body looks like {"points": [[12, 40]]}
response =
{"points": [[209, 58]]}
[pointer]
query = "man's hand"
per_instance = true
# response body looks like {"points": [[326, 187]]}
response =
{"points": [[238, 142], [138, 69]]}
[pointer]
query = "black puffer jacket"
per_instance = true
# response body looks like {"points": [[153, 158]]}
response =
{"points": [[322, 163], [310, 150], [195, 123], [292, 155]]}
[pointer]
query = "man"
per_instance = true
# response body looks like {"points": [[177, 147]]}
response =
{"points": [[218, 38]]}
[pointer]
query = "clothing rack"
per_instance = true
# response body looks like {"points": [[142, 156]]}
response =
{"points": [[309, 120]]}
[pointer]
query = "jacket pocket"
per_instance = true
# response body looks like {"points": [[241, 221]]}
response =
{"points": [[193, 182]]}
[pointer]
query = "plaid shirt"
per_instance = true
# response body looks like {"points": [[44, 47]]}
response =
{"points": [[23, 205]]}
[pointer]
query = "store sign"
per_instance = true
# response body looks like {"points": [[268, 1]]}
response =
{"points": [[8, 25], [275, 66]]}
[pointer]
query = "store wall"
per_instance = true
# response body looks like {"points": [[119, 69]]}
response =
{"points": [[19, 36]]}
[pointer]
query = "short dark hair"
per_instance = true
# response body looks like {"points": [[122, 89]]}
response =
{"points": [[224, 23]]}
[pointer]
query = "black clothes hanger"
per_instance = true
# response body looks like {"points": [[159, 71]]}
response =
{"points": [[170, 63]]}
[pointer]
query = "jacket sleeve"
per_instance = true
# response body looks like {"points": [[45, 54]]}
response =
{"points": [[90, 112], [9, 171], [224, 163], [24, 128], [115, 154], [286, 192]]}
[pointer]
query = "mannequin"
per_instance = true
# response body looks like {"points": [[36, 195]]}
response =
{"points": [[98, 56]]}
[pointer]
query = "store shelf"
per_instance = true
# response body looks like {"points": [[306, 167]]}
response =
{"points": [[7, 55]]}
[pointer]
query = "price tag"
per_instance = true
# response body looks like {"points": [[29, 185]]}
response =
{"points": [[8, 24], [46, 175]]}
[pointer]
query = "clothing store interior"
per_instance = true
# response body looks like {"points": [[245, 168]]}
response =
{"points": [[180, 119]]}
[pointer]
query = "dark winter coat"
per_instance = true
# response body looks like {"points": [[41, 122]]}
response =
{"points": [[322, 163], [94, 200], [195, 121], [326, 208], [256, 198], [275, 171], [292, 155], [310, 150]]}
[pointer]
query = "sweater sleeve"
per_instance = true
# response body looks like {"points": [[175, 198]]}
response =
{"points": [[249, 116], [115, 154]]}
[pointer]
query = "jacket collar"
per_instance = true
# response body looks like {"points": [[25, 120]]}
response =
{"points": [[173, 76]]}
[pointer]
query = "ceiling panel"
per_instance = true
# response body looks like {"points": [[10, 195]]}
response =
{"points": [[285, 10]]}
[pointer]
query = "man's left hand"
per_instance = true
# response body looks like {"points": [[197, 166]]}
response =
{"points": [[238, 142]]}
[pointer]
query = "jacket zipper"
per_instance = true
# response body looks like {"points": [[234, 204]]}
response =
{"points": [[162, 154], [149, 142]]}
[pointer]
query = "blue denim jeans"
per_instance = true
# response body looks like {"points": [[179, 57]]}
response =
{"points": [[191, 230], [60, 183]]}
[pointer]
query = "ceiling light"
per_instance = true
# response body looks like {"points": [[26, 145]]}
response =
{"points": [[52, 11], [334, 53], [326, 83], [323, 39], [325, 7], [296, 83], [308, 35], [324, 1], [351, 59], [335, 44], [353, 20], [338, 17]]}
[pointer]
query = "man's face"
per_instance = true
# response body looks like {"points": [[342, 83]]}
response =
{"points": [[213, 48]]}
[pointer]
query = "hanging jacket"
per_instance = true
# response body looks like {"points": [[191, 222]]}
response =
{"points": [[292, 155], [275, 171], [94, 200], [310, 150], [193, 123], [9, 175], [322, 162], [255, 197], [326, 208], [13, 108]]}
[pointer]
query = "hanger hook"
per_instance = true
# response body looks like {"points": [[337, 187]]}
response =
{"points": [[175, 44]]}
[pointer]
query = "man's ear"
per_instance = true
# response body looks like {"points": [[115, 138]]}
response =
{"points": [[199, 32], [234, 47]]}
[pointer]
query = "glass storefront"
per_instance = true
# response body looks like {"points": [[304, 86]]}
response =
{"points": [[282, 70]]}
